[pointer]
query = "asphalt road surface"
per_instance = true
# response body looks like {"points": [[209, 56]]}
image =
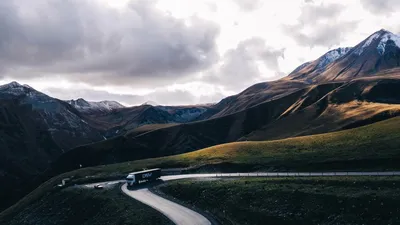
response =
{"points": [[181, 215], [178, 214], [279, 174]]}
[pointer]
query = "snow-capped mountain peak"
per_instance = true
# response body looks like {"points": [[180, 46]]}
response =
{"points": [[16, 89], [322, 62], [379, 51], [380, 39], [152, 103], [12, 85], [384, 41], [86, 106]]}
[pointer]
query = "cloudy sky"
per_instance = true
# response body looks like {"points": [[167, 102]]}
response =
{"points": [[174, 51]]}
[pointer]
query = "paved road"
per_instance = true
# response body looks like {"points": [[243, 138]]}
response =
{"points": [[182, 216], [178, 214], [279, 174]]}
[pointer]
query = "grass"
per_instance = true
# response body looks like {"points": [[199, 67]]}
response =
{"points": [[86, 206], [371, 147], [345, 200]]}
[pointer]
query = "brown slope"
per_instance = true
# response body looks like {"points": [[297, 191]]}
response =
{"points": [[180, 138], [353, 104], [317, 109], [252, 96]]}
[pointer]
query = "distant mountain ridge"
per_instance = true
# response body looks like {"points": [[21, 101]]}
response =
{"points": [[86, 107]]}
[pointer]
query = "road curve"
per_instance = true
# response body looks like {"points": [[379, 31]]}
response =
{"points": [[181, 215], [178, 214]]}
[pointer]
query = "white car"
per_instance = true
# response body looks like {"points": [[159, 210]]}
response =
{"points": [[98, 186]]}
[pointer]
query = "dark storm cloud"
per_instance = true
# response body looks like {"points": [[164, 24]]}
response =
{"points": [[248, 5], [323, 26], [239, 66], [381, 7], [140, 44]]}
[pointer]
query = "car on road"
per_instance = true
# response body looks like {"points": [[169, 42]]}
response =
{"points": [[98, 186]]}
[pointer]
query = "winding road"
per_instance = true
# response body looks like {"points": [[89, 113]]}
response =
{"points": [[181, 215], [178, 214]]}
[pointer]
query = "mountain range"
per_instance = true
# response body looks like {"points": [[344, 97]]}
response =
{"points": [[344, 88]]}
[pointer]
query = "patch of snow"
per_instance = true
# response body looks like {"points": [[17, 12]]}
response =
{"points": [[84, 106], [152, 103], [28, 95], [331, 56], [360, 50], [384, 39]]}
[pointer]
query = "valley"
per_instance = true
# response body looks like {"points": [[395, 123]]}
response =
{"points": [[339, 112]]}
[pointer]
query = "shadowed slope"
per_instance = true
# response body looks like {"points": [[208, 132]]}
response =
{"points": [[317, 109]]}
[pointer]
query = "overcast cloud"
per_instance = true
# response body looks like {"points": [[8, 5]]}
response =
{"points": [[140, 44], [241, 66], [161, 96], [248, 5], [319, 25], [177, 51], [381, 7]]}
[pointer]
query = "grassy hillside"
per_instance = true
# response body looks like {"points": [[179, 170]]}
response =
{"points": [[353, 104], [371, 147], [75, 205], [289, 201]]}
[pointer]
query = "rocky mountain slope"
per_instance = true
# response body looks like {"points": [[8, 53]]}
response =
{"points": [[122, 120], [311, 110], [51, 115], [35, 129]]}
